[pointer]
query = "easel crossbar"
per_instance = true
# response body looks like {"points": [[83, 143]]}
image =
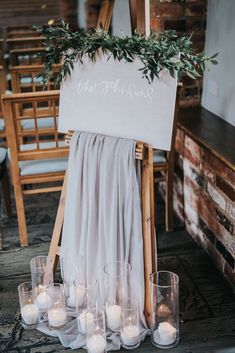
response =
{"points": [[140, 150]]}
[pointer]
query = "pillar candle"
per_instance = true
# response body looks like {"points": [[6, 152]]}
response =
{"points": [[130, 335], [30, 314], [57, 317], [165, 334], [113, 317], [96, 344]]}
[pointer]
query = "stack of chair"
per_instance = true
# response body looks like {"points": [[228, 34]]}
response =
{"points": [[37, 153]]}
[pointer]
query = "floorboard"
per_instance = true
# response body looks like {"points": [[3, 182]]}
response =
{"points": [[207, 302]]}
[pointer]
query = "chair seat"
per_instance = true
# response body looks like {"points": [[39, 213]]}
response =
{"points": [[159, 157], [29, 79], [43, 123], [42, 166], [3, 153], [2, 124]]}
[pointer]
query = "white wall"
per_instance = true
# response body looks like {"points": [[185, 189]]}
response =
{"points": [[219, 83]]}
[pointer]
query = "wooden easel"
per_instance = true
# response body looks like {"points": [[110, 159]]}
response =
{"points": [[144, 153]]}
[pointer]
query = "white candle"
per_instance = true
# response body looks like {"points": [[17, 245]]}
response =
{"points": [[82, 322], [130, 335], [165, 334], [80, 295], [57, 317], [30, 314], [113, 317], [76, 293], [72, 296], [96, 344], [43, 301]]}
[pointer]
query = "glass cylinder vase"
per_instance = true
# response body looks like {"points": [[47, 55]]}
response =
{"points": [[56, 305], [164, 309], [117, 282], [71, 273], [28, 308], [41, 276], [130, 325], [95, 331], [86, 299]]}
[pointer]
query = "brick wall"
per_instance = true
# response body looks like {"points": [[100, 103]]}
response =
{"points": [[184, 16], [204, 197]]}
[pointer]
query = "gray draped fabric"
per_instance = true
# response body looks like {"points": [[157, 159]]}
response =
{"points": [[102, 219]]}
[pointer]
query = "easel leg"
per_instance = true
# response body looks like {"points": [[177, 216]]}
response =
{"points": [[148, 226], [56, 235]]}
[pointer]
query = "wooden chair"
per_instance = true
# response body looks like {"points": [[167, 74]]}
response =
{"points": [[2, 91], [5, 186], [25, 78], [1, 51], [163, 168], [21, 32], [26, 56], [43, 158], [24, 42]]}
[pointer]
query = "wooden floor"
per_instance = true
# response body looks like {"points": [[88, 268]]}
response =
{"points": [[207, 302]]}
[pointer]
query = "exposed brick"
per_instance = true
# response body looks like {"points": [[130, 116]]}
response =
{"points": [[193, 147], [193, 174], [222, 219], [216, 196], [206, 170], [172, 10], [230, 210], [215, 164], [179, 141], [216, 256], [225, 253], [188, 155], [226, 188], [231, 176], [209, 234], [177, 25], [157, 24], [194, 25], [195, 9]]}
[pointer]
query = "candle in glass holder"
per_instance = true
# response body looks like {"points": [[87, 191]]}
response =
{"points": [[165, 334], [82, 325], [57, 317], [96, 344], [30, 314], [43, 301], [113, 313], [76, 293], [130, 335]]}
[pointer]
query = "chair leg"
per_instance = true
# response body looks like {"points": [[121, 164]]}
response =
{"points": [[169, 212], [20, 211], [6, 191]]}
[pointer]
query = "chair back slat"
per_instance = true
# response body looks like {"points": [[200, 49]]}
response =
{"points": [[24, 42], [26, 56]]}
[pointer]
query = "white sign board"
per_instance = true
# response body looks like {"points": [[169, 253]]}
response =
{"points": [[111, 98]]}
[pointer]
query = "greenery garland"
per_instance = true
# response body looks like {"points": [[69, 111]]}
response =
{"points": [[168, 50]]}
